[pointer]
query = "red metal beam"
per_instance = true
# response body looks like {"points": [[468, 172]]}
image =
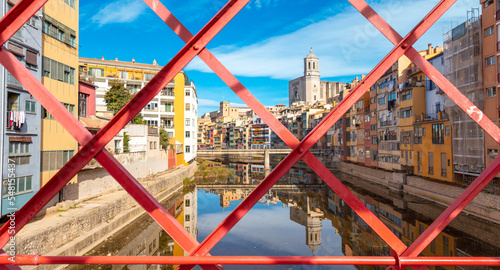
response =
{"points": [[253, 260], [17, 17], [379, 227], [82, 135], [428, 69], [454, 94], [322, 128]]}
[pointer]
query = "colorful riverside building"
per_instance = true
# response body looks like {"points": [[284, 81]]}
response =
{"points": [[432, 136], [491, 71], [20, 144], [59, 66], [412, 103], [174, 109]]}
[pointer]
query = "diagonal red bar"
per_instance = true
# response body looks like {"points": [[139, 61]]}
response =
{"points": [[174, 66], [321, 129], [82, 135], [428, 69], [468, 195], [17, 17], [278, 127]]}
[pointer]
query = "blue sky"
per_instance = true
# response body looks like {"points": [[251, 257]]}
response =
{"points": [[264, 45]]}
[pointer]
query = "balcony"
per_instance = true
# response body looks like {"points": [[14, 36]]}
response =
{"points": [[385, 123], [11, 81], [498, 46], [167, 126], [498, 15], [167, 93]]}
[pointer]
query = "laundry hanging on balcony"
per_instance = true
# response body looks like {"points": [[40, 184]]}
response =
{"points": [[16, 119]]}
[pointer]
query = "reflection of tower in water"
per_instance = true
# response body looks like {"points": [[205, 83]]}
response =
{"points": [[312, 221], [191, 214]]}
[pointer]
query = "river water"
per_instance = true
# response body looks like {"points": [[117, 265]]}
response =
{"points": [[308, 221]]}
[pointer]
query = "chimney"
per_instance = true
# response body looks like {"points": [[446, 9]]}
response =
{"points": [[116, 59], [154, 62], [133, 60], [429, 48], [102, 57]]}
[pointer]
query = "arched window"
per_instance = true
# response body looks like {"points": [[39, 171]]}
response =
{"points": [[314, 65], [309, 65]]}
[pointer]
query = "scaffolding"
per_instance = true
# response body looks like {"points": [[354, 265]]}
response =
{"points": [[463, 68]]}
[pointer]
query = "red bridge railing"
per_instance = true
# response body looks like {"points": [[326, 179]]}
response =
{"points": [[93, 147]]}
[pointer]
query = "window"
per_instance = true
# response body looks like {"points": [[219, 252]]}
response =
{"points": [[491, 92], [82, 104], [405, 113], [54, 160], [447, 131], [486, 4], [188, 106], [20, 184], [30, 107], [58, 71], [148, 76], [59, 31], [123, 74], [70, 107], [20, 152], [381, 100], [489, 31], [490, 61], [188, 122], [188, 134], [188, 93], [187, 218], [31, 59], [188, 149], [187, 203], [438, 134], [431, 163]]}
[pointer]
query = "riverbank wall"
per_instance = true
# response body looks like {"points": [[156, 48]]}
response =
{"points": [[485, 206], [78, 230]]}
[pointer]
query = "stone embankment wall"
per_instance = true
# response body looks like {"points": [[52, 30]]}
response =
{"points": [[74, 236], [92, 182], [486, 206]]}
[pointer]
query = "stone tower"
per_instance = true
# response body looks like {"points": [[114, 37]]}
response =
{"points": [[312, 78]]}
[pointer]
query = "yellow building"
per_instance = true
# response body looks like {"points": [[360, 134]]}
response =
{"points": [[60, 62], [433, 149], [167, 110]]}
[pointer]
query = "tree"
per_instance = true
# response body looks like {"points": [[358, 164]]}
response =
{"points": [[165, 139], [126, 142], [117, 97]]}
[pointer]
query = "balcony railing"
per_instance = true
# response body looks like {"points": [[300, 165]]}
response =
{"points": [[385, 123], [167, 126], [167, 93], [11, 81]]}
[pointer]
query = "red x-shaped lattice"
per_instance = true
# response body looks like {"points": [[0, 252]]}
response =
{"points": [[402, 255]]}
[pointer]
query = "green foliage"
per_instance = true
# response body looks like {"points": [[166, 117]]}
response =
{"points": [[165, 139], [117, 96], [126, 143]]}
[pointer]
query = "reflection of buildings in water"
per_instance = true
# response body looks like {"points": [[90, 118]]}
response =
{"points": [[146, 243], [191, 213], [257, 172], [311, 220], [359, 240], [227, 196], [240, 173]]}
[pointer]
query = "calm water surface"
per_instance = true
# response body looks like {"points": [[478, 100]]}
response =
{"points": [[298, 222]]}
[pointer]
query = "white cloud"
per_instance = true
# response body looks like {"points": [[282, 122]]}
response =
{"points": [[119, 12], [346, 42]]}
